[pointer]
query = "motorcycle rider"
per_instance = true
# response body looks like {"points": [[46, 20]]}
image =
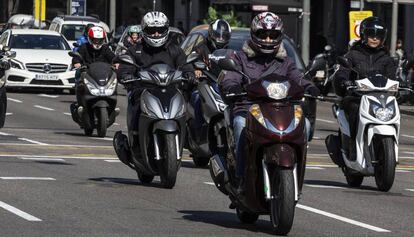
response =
{"points": [[133, 37], [95, 50], [367, 56], [83, 38], [263, 54], [154, 48]]}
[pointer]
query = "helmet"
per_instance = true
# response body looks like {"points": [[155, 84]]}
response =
{"points": [[266, 25], [96, 37], [88, 27], [155, 28], [133, 29], [219, 33], [372, 27]]}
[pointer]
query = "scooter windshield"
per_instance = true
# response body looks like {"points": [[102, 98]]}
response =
{"points": [[100, 72], [275, 87], [160, 74]]}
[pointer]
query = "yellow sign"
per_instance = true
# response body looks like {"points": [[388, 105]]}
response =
{"points": [[355, 19], [39, 10]]}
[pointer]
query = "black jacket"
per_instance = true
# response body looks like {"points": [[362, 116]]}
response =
{"points": [[366, 61], [146, 56], [91, 55]]}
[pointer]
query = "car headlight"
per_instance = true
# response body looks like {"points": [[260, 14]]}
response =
{"points": [[383, 114], [16, 64], [257, 114], [277, 90]]}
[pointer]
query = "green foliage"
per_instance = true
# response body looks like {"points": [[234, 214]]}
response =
{"points": [[230, 17]]}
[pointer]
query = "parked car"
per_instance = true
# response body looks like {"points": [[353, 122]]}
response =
{"points": [[238, 36], [72, 27], [177, 36], [42, 59]]}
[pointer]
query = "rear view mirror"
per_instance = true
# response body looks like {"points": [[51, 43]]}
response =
{"points": [[192, 57], [200, 65], [11, 54], [328, 48], [76, 45], [76, 55], [6, 48], [318, 63], [227, 64], [127, 59], [344, 62]]}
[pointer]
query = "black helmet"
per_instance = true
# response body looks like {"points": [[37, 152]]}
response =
{"points": [[219, 33], [372, 27]]}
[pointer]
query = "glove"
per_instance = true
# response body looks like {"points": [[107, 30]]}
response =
{"points": [[348, 83], [5, 65], [126, 78], [235, 90], [313, 91]]}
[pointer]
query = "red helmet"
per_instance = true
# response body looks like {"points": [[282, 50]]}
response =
{"points": [[96, 37], [266, 32]]}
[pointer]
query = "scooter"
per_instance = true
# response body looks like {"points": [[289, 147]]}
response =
{"points": [[5, 56], [207, 137], [378, 129], [157, 148], [96, 94], [321, 75], [276, 134]]}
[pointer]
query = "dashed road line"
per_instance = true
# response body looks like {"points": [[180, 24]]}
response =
{"points": [[8, 114], [32, 141], [113, 161], [18, 212], [403, 171], [44, 108], [42, 159], [27, 178], [60, 157], [409, 136], [102, 138], [326, 121], [209, 183], [68, 114], [58, 145], [116, 124], [324, 186], [5, 134], [314, 168], [14, 100], [411, 190], [48, 96], [341, 218]]}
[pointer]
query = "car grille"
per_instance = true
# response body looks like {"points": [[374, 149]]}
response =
{"points": [[46, 67], [46, 82]]}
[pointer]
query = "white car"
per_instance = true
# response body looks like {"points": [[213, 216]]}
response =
{"points": [[42, 59]]}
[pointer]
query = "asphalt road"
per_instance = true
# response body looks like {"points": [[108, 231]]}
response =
{"points": [[54, 181]]}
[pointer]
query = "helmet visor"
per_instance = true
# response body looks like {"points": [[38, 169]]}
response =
{"points": [[271, 34], [221, 36], [97, 41], [375, 33], [152, 30]]}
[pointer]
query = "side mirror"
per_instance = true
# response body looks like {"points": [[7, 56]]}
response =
{"points": [[200, 65], [328, 48], [227, 64], [125, 58], [75, 55], [11, 54], [76, 45], [6, 48], [192, 57], [344, 62], [318, 63]]}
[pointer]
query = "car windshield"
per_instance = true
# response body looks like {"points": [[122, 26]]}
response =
{"points": [[72, 32], [38, 42]]}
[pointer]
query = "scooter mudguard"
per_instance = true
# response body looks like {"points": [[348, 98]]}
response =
{"points": [[384, 130], [166, 126], [100, 104], [282, 155]]}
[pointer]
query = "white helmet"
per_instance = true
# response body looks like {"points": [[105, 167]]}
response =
{"points": [[155, 28], [96, 37]]}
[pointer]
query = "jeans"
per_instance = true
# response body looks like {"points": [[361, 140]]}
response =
{"points": [[239, 123]]}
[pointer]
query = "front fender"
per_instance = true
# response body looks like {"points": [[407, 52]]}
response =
{"points": [[168, 126], [281, 155], [100, 104], [384, 130]]}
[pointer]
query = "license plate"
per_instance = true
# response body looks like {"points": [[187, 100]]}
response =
{"points": [[46, 77]]}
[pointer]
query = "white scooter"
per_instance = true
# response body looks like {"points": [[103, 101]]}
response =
{"points": [[377, 133]]}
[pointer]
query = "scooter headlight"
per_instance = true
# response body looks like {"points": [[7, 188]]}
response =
{"points": [[111, 87], [298, 114], [257, 114], [101, 90], [382, 113], [277, 90]]}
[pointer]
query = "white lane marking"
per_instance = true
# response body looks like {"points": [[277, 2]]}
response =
{"points": [[14, 100], [325, 166], [209, 183], [68, 114], [324, 186], [18, 212], [404, 135], [61, 157], [325, 121], [340, 218], [32, 141], [5, 134], [411, 190], [314, 168], [102, 138], [45, 108], [403, 171], [57, 145], [48, 96], [27, 178], [41, 159], [7, 114], [113, 161], [116, 124]]}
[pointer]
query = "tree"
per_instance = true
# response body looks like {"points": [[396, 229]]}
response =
{"points": [[229, 17]]}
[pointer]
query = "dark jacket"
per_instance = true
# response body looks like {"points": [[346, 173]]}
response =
{"points": [[91, 55], [366, 61], [146, 56], [204, 50], [254, 65]]}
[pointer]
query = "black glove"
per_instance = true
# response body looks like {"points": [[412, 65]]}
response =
{"points": [[5, 65], [348, 83], [191, 79], [235, 89], [125, 78], [313, 91]]}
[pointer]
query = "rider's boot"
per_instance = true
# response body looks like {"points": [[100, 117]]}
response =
{"points": [[122, 150]]}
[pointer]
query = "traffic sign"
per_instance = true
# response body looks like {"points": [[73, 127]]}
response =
{"points": [[355, 19]]}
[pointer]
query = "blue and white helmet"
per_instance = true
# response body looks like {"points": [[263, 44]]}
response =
{"points": [[155, 28]]}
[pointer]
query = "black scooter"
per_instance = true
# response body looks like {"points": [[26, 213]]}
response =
{"points": [[96, 94]]}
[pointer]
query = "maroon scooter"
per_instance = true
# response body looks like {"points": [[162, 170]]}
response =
{"points": [[275, 152]]}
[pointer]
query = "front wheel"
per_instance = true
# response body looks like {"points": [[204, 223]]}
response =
{"points": [[282, 205], [385, 169], [102, 117], [168, 165]]}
